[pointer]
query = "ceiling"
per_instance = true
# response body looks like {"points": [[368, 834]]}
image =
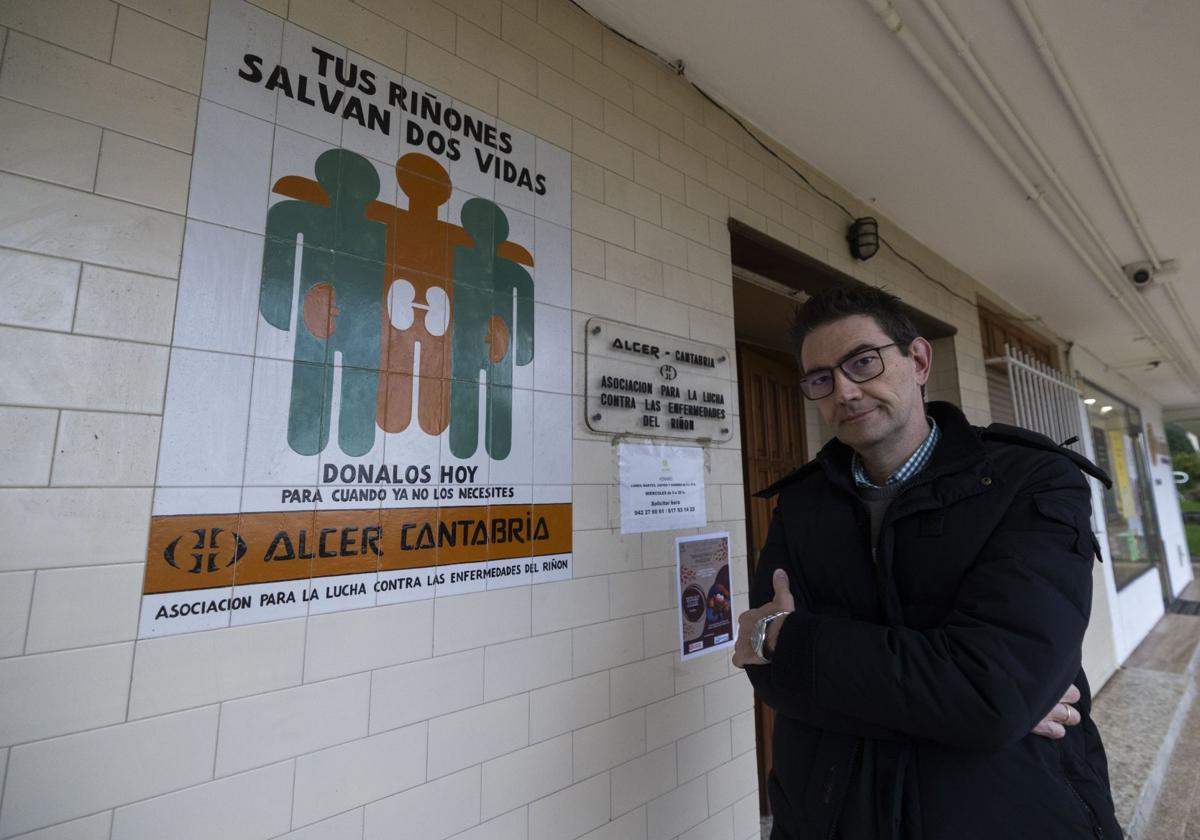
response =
{"points": [[1036, 220]]}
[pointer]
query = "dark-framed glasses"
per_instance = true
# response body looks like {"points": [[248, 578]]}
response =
{"points": [[861, 366]]}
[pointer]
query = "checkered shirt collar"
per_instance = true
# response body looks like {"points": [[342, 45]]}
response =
{"points": [[916, 462]]}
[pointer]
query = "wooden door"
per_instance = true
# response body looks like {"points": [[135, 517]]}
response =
{"points": [[772, 446]]}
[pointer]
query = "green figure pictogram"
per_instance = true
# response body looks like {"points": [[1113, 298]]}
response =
{"points": [[341, 290], [487, 291]]}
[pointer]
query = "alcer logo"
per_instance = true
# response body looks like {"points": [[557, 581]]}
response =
{"points": [[207, 554]]}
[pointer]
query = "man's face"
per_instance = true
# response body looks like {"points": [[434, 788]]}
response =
{"points": [[881, 412]]}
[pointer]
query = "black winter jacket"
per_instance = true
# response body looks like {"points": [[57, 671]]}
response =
{"points": [[946, 647]]}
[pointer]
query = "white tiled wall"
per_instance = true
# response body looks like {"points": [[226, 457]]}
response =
{"points": [[554, 712]]}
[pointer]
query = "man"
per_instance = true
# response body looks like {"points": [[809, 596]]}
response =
{"points": [[919, 605]]}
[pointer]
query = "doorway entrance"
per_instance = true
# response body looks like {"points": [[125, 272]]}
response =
{"points": [[773, 437]]}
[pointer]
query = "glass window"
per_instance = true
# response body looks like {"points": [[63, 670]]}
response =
{"points": [[1133, 538]]}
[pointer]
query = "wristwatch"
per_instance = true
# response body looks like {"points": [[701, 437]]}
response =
{"points": [[758, 634]]}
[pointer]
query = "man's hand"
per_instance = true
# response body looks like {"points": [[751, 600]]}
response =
{"points": [[1054, 724], [783, 601]]}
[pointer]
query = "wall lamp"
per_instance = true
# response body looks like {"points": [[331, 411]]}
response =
{"points": [[863, 237]]}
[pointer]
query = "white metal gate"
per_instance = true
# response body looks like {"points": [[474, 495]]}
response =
{"points": [[1044, 399]]}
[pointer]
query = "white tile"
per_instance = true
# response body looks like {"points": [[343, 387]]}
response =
{"points": [[252, 806], [370, 140], [605, 551], [589, 507], [631, 826], [512, 826], [181, 672], [662, 631], [643, 779], [473, 735], [85, 606], [95, 827], [607, 645], [61, 527], [707, 749], [526, 663], [552, 358], [144, 173], [522, 157], [56, 21], [525, 775], [431, 812], [635, 593], [48, 146], [571, 812], [725, 698], [420, 690], [235, 30], [567, 706], [267, 461], [743, 731], [568, 604], [190, 17], [189, 426], [731, 781], [231, 169], [37, 291], [69, 371], [552, 459], [298, 57], [353, 774], [674, 813], [609, 743], [746, 822], [121, 304], [105, 449], [552, 264], [642, 683], [39, 694], [467, 621], [555, 164], [26, 446], [269, 727], [363, 640], [219, 284], [150, 48], [516, 468], [16, 591], [106, 767], [345, 826], [717, 827], [702, 670], [66, 82], [354, 26], [157, 606], [671, 719]]}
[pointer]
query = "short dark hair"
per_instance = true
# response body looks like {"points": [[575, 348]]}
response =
{"points": [[837, 303]]}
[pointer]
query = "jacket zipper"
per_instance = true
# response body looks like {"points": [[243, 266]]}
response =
{"points": [[858, 745], [1096, 829]]}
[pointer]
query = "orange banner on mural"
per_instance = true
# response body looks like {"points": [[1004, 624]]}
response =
{"points": [[205, 551]]}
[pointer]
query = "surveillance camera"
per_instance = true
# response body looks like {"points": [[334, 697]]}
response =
{"points": [[1140, 274]]}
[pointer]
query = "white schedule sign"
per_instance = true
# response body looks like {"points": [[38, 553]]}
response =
{"points": [[662, 487]]}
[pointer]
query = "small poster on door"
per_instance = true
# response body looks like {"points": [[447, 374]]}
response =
{"points": [[705, 601]]}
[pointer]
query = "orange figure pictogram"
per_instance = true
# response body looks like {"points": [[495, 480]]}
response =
{"points": [[418, 294]]}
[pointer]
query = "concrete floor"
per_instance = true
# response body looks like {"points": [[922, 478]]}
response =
{"points": [[1176, 814]]}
